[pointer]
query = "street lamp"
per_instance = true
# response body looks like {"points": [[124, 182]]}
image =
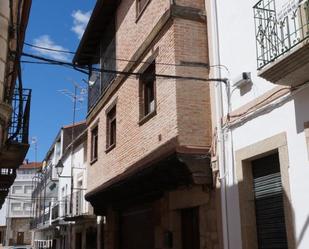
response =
{"points": [[59, 167]]}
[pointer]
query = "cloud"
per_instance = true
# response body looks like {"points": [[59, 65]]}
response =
{"points": [[46, 42], [80, 21]]}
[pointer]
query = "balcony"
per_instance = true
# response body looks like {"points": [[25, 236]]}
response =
{"points": [[16, 148], [282, 42], [99, 82]]}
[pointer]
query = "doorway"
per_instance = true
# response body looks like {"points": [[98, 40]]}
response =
{"points": [[137, 228], [190, 231], [20, 238]]}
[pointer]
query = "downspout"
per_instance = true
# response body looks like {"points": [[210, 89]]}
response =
{"points": [[212, 15]]}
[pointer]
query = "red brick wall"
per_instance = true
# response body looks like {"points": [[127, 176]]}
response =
{"points": [[182, 105]]}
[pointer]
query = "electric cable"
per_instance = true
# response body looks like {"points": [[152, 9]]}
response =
{"points": [[187, 64], [83, 68]]}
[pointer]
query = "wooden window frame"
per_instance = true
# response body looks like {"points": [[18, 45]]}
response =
{"points": [[111, 127], [145, 113], [140, 10], [94, 144]]}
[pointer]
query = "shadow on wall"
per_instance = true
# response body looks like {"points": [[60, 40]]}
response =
{"points": [[301, 104]]}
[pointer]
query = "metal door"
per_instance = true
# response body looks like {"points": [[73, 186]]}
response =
{"points": [[269, 208]]}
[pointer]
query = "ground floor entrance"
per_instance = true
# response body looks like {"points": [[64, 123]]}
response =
{"points": [[137, 223]]}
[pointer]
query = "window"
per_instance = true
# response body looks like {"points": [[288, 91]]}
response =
{"points": [[141, 6], [94, 144], [27, 207], [111, 128], [148, 92], [16, 207], [17, 190], [28, 189]]}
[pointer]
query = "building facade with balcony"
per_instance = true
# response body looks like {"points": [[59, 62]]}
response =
{"points": [[149, 124], [75, 213], [47, 224], [262, 120], [14, 100], [19, 205]]}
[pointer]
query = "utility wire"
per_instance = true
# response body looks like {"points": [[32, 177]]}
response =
{"points": [[186, 64], [102, 70]]}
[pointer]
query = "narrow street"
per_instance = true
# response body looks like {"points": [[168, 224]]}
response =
{"points": [[154, 124]]}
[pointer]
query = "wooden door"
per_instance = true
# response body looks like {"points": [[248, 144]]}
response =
{"points": [[190, 232], [137, 228], [20, 238], [78, 240]]}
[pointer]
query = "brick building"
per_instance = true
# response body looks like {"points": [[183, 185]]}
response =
{"points": [[149, 124]]}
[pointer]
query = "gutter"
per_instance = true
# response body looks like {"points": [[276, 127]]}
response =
{"points": [[212, 15]]}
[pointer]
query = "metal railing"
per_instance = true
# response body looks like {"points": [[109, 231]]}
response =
{"points": [[79, 202], [18, 129], [101, 81], [277, 33], [78, 207]]}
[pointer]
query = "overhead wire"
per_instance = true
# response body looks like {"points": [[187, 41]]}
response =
{"points": [[184, 64], [103, 70]]}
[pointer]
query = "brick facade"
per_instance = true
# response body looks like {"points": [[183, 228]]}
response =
{"points": [[183, 107], [175, 37]]}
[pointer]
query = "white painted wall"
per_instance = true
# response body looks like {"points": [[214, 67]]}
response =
{"points": [[79, 174], [3, 213], [238, 53]]}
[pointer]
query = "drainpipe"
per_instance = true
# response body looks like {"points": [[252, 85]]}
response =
{"points": [[212, 16]]}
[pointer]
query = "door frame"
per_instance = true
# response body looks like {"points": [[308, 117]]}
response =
{"points": [[244, 157]]}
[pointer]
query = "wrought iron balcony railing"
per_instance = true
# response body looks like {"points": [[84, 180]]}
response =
{"points": [[18, 130], [278, 33]]}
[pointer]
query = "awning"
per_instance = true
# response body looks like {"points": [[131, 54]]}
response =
{"points": [[150, 180]]}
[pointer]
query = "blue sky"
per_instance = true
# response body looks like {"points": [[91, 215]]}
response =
{"points": [[54, 24]]}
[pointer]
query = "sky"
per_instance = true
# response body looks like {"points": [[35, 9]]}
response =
{"points": [[57, 24]]}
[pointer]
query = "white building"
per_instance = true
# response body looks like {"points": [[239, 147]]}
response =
{"points": [[18, 203], [262, 150], [79, 223], [57, 203], [45, 223]]}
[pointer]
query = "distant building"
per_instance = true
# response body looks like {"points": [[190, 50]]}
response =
{"points": [[51, 196], [71, 198], [19, 205]]}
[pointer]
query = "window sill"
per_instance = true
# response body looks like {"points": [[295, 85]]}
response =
{"points": [[146, 118], [93, 161], [111, 147]]}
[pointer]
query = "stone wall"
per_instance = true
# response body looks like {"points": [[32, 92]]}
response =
{"points": [[20, 225], [167, 212]]}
